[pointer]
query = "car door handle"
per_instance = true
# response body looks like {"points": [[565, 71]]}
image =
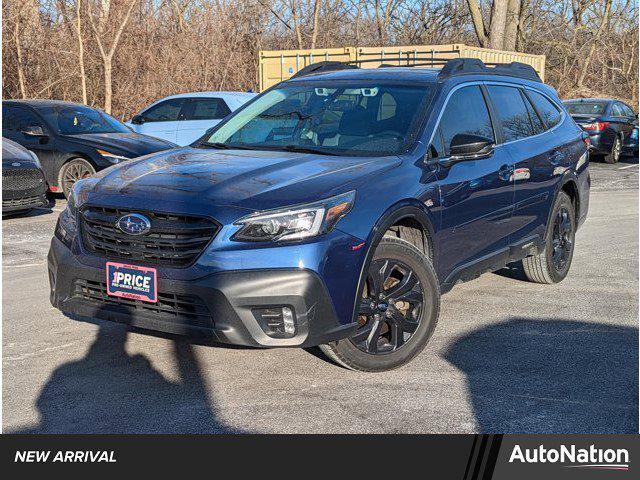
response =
{"points": [[505, 172]]}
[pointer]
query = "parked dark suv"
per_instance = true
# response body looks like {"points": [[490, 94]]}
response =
{"points": [[334, 209], [609, 123]]}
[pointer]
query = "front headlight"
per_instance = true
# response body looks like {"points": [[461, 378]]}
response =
{"points": [[78, 194], [295, 223], [35, 158], [112, 157]]}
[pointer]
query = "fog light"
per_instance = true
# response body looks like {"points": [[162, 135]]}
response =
{"points": [[277, 322], [287, 318]]}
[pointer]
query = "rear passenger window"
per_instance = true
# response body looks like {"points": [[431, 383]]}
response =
{"points": [[512, 111], [466, 113], [207, 109], [617, 110], [548, 111]]}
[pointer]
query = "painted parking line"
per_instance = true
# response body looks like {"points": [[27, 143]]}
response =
{"points": [[627, 166]]}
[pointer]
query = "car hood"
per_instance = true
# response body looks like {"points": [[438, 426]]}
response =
{"points": [[253, 180], [13, 152], [130, 144]]}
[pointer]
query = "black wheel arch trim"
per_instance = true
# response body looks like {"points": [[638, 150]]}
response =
{"points": [[569, 177], [409, 208]]}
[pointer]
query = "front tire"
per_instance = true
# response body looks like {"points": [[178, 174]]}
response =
{"points": [[72, 171], [397, 313], [553, 264]]}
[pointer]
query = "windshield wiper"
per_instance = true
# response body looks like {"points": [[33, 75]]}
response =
{"points": [[225, 146], [299, 149]]}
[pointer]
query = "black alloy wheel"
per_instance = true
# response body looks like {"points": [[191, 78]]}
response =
{"points": [[389, 312], [396, 312], [562, 240], [552, 264]]}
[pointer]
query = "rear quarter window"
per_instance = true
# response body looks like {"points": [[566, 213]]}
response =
{"points": [[550, 113]]}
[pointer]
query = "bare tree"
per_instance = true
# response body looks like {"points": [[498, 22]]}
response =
{"points": [[83, 77], [107, 53], [594, 44], [168, 46]]}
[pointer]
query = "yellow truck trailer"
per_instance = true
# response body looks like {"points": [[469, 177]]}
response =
{"points": [[278, 65]]}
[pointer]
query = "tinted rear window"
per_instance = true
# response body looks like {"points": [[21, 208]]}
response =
{"points": [[586, 108]]}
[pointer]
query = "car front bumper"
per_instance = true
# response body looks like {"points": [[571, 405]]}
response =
{"points": [[221, 306], [24, 203]]}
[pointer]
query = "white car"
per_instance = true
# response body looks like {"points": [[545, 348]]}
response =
{"points": [[184, 118]]}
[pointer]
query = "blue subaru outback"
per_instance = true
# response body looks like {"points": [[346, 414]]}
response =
{"points": [[334, 209]]}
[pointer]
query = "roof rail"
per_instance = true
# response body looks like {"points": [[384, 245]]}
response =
{"points": [[470, 66], [450, 68], [326, 66]]}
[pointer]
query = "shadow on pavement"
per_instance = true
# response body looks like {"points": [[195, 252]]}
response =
{"points": [[110, 391], [551, 376]]}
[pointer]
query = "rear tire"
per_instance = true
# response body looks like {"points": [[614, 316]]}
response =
{"points": [[616, 151], [398, 310], [553, 264], [72, 171]]}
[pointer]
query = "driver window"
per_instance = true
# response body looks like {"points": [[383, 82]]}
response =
{"points": [[167, 111], [19, 119], [466, 113]]}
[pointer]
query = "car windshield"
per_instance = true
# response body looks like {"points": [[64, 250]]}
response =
{"points": [[586, 108], [79, 120], [329, 118]]}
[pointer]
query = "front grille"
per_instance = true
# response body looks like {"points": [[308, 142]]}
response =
{"points": [[188, 309], [29, 202], [26, 182], [174, 240]]}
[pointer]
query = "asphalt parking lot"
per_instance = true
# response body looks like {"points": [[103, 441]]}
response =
{"points": [[507, 356]]}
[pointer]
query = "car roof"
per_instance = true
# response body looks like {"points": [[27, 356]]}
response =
{"points": [[41, 102], [595, 100], [242, 95]]}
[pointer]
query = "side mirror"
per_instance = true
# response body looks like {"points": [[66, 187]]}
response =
{"points": [[137, 120], [34, 131], [470, 147]]}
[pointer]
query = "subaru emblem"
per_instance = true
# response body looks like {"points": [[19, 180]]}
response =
{"points": [[134, 224]]}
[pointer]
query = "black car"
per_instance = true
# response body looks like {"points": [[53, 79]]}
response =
{"points": [[23, 183], [73, 141], [610, 124]]}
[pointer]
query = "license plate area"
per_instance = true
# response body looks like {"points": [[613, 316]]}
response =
{"points": [[132, 281]]}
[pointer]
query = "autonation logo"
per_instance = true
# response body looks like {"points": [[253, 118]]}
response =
{"points": [[573, 457]]}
